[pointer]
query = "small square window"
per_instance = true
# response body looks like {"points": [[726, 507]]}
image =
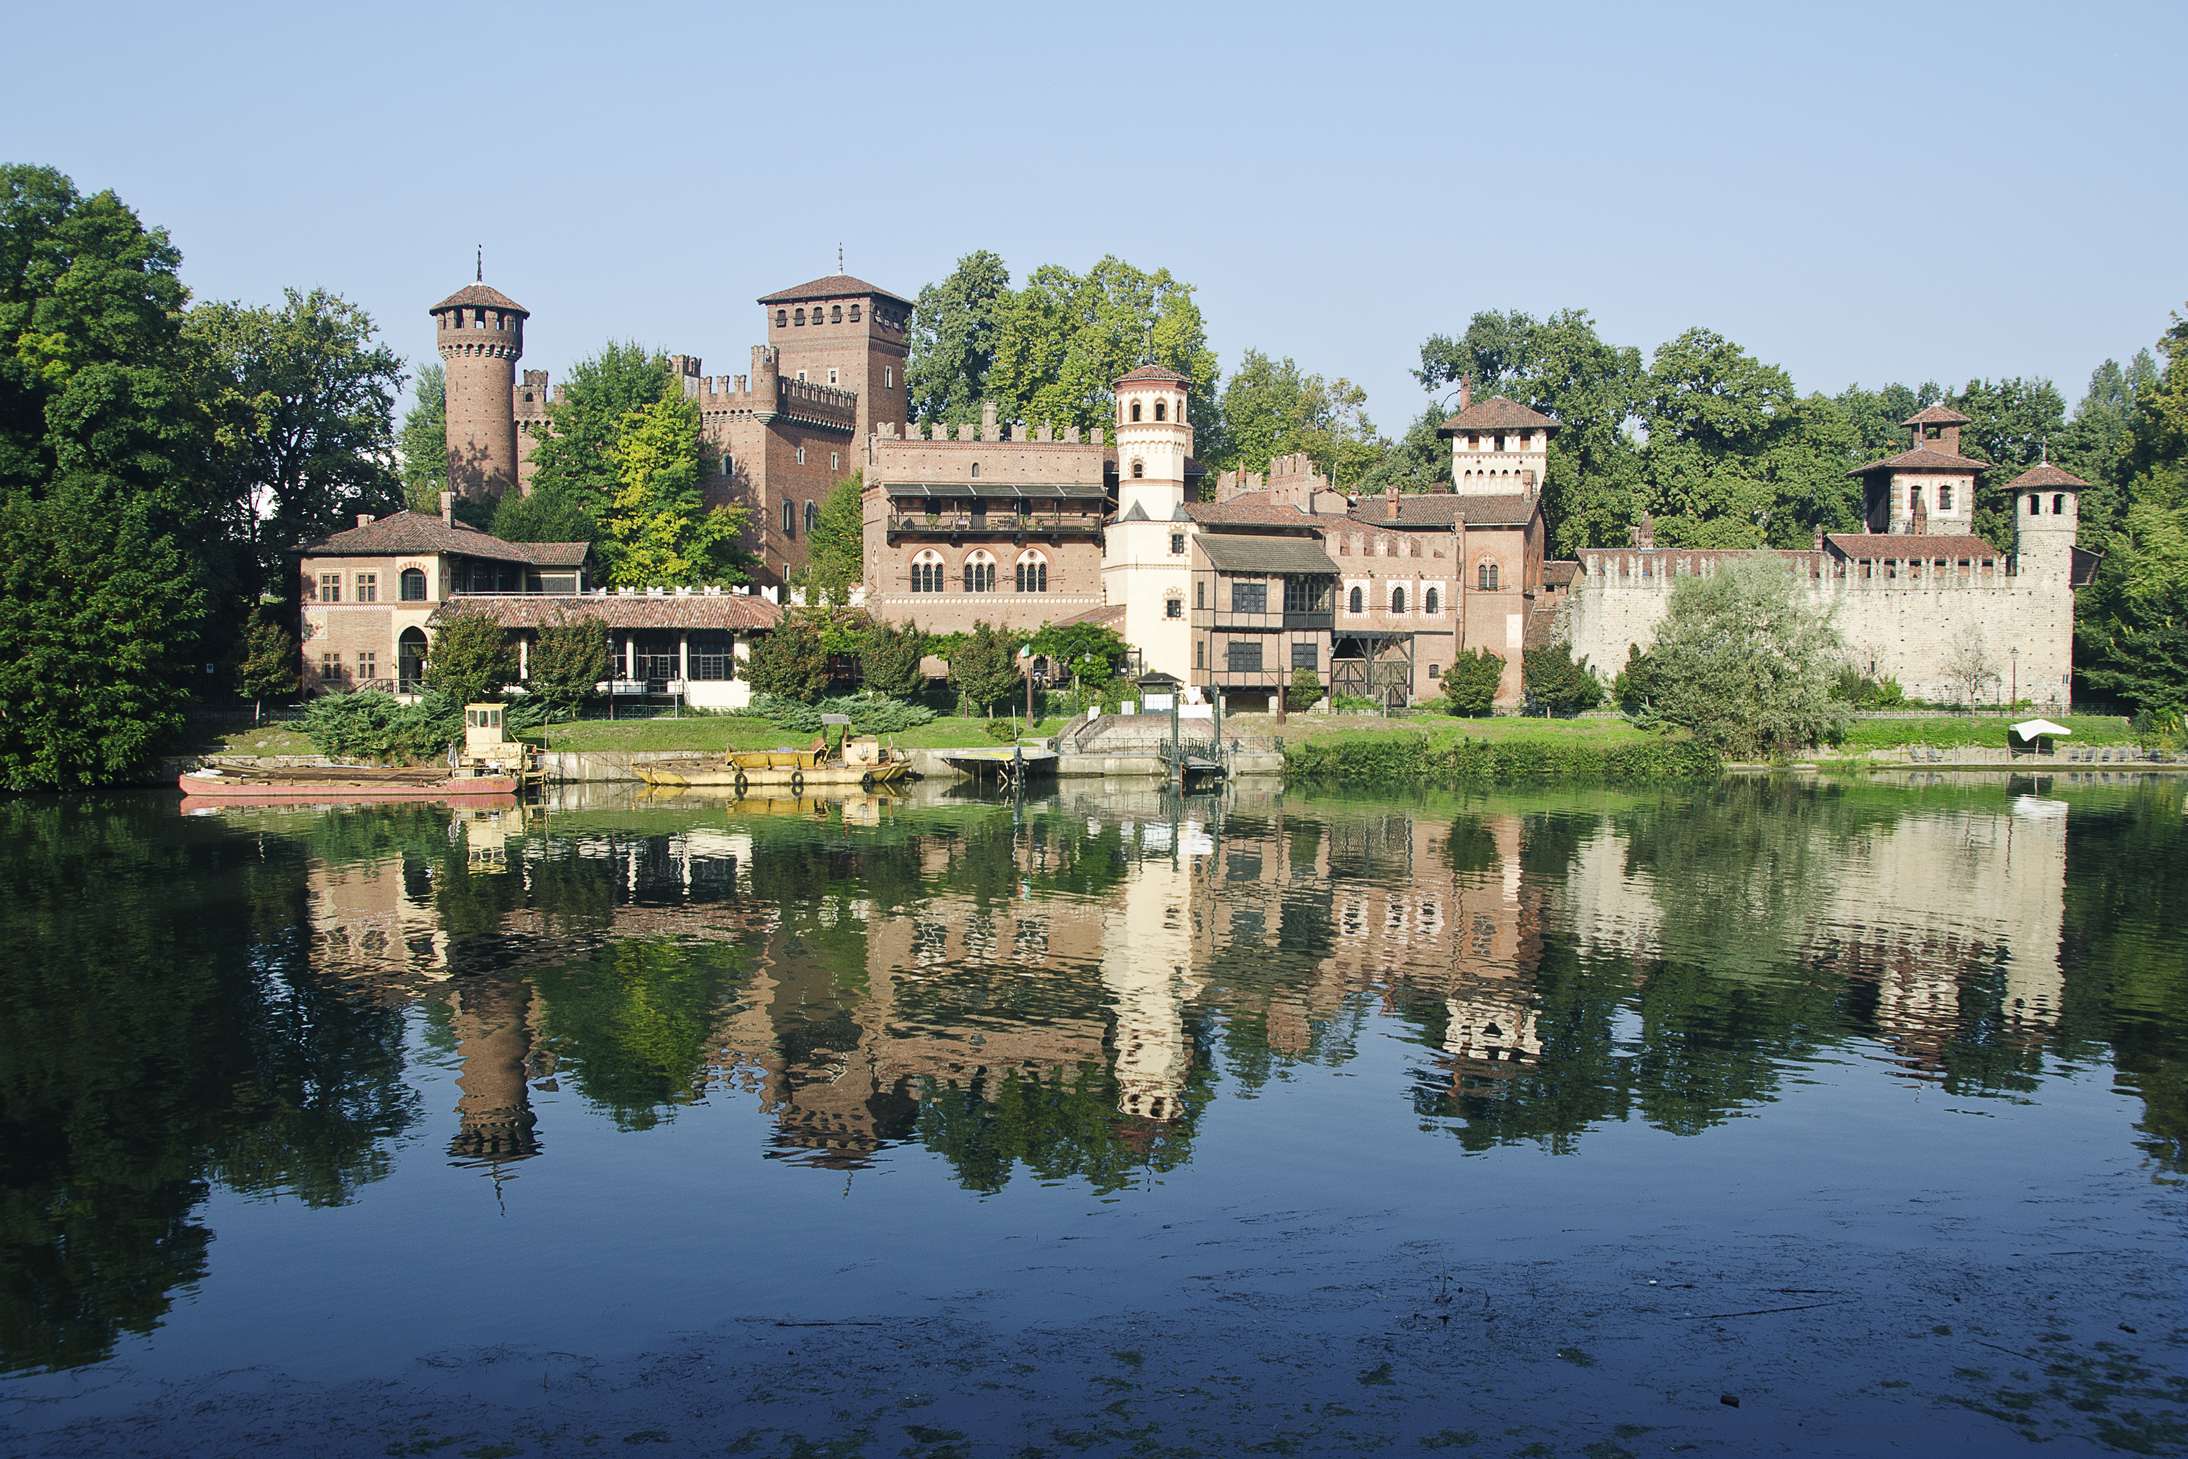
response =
{"points": [[330, 587], [1173, 607], [368, 587], [1177, 544]]}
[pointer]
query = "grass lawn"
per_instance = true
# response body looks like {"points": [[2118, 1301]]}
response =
{"points": [[262, 739], [1974, 731], [707, 733], [1440, 728]]}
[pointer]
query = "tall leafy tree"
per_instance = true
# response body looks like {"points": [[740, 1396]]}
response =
{"points": [[574, 466], [303, 400], [835, 550], [1065, 338], [1271, 408], [1419, 460], [111, 556], [423, 441], [955, 326], [658, 530]]}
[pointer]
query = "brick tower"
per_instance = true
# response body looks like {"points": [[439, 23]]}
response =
{"points": [[480, 334], [847, 333]]}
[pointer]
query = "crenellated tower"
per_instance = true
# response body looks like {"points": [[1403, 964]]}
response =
{"points": [[479, 332], [843, 332]]}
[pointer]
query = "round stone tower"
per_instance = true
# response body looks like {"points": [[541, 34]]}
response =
{"points": [[2047, 505], [1153, 440], [480, 334]]}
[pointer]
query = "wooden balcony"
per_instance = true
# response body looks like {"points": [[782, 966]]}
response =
{"points": [[963, 526]]}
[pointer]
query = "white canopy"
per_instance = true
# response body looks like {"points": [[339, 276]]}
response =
{"points": [[2033, 729]]}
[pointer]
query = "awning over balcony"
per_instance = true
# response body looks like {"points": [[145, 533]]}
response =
{"points": [[1247, 552], [996, 490]]}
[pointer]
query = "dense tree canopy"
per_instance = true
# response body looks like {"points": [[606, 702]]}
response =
{"points": [[1273, 408], [574, 463], [835, 548], [955, 325], [423, 442], [656, 527]]}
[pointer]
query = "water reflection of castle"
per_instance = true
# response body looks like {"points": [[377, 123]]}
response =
{"points": [[1094, 944]]}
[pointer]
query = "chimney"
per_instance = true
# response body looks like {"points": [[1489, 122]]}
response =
{"points": [[448, 509], [364, 519], [1921, 523], [1390, 502], [1466, 391]]}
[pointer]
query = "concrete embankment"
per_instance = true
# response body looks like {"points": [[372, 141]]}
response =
{"points": [[591, 767]]}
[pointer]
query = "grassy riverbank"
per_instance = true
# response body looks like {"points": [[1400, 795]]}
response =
{"points": [[709, 733]]}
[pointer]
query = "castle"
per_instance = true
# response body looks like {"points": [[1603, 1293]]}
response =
{"points": [[1235, 588]]}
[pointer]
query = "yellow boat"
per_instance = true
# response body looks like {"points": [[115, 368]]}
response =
{"points": [[864, 762]]}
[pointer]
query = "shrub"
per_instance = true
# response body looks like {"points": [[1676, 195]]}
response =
{"points": [[1000, 729], [1305, 691], [878, 714], [1470, 684], [1863, 692], [1558, 684], [2158, 729], [1400, 758], [370, 725], [1355, 704]]}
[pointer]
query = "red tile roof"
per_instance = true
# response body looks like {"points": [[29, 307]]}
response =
{"points": [[417, 532], [834, 286], [1922, 458], [1558, 574], [1909, 546], [2047, 475], [483, 296], [1936, 415], [1446, 508], [1156, 373], [1255, 507], [743, 612], [1109, 615], [1497, 413]]}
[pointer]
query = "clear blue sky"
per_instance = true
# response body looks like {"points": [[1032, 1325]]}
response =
{"points": [[1857, 193]]}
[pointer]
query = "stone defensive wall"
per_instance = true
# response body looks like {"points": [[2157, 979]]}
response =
{"points": [[1901, 619]]}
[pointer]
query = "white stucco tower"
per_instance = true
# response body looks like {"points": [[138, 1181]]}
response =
{"points": [[2047, 506], [1147, 549]]}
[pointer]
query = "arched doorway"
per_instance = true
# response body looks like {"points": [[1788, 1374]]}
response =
{"points": [[410, 660]]}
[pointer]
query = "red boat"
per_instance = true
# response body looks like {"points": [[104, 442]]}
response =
{"points": [[340, 784]]}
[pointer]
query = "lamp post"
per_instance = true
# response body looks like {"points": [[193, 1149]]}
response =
{"points": [[2013, 691]]}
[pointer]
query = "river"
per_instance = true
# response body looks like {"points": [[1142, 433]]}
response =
{"points": [[1780, 1117]]}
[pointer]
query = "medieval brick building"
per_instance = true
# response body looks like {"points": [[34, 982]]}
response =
{"points": [[775, 439]]}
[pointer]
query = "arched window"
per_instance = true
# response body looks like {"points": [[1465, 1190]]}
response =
{"points": [[1944, 496], [729, 466], [1357, 602], [799, 316], [927, 572], [782, 318], [835, 314], [413, 585], [801, 455], [1429, 602], [790, 518], [1032, 572], [1486, 576], [854, 313], [1135, 410], [2034, 504], [1139, 469], [980, 572], [975, 471], [1159, 409], [1914, 497], [812, 515], [2058, 504], [1397, 600]]}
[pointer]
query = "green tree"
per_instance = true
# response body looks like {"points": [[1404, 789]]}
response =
{"points": [[955, 326], [1561, 366], [1470, 684], [984, 667], [570, 658], [423, 442], [1065, 338], [792, 661], [303, 400], [1557, 684], [889, 661], [1305, 691], [574, 465], [1419, 460], [835, 550], [469, 659], [268, 670], [1273, 408], [1746, 663], [2132, 621], [119, 581], [659, 530]]}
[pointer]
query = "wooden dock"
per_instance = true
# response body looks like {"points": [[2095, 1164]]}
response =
{"points": [[1005, 764]]}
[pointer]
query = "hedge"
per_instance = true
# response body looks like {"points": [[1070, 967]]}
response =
{"points": [[1419, 760]]}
